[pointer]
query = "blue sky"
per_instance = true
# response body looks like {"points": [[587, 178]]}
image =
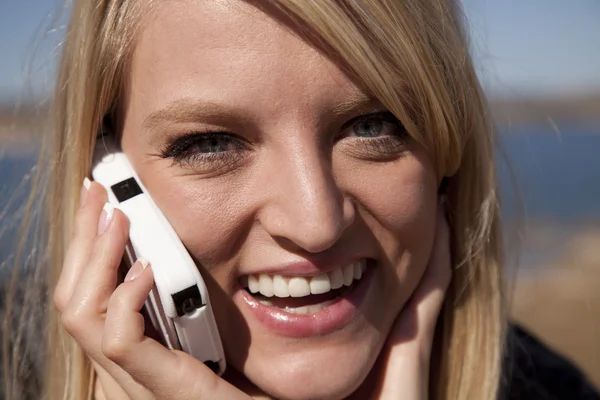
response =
{"points": [[536, 46], [521, 47]]}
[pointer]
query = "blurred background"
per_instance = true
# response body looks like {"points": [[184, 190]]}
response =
{"points": [[539, 62]]}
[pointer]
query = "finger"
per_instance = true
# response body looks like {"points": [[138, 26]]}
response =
{"points": [[421, 306], [168, 374], [98, 278], [84, 314], [116, 382], [86, 328], [441, 260], [405, 363], [81, 243]]}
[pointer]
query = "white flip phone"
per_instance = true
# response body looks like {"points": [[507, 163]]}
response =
{"points": [[178, 305]]}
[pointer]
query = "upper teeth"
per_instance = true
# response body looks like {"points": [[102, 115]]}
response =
{"points": [[300, 286]]}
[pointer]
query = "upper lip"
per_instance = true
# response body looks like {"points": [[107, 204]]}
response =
{"points": [[303, 267]]}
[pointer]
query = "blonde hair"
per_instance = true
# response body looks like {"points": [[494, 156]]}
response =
{"points": [[413, 56]]}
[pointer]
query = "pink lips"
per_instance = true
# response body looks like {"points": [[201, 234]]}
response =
{"points": [[327, 320]]}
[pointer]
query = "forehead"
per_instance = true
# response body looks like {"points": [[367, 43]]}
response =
{"points": [[227, 51]]}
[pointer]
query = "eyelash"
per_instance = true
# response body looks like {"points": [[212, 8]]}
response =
{"points": [[385, 145], [179, 149]]}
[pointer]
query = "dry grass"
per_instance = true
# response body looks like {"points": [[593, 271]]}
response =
{"points": [[561, 304]]}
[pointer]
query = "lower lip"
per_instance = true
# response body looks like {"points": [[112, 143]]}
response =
{"points": [[323, 322]]}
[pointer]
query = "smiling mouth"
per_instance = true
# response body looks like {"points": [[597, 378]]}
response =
{"points": [[304, 294]]}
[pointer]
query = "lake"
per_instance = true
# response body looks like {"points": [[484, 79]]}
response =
{"points": [[557, 174]]}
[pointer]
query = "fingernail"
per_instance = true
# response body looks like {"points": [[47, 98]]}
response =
{"points": [[84, 191], [105, 217], [136, 269]]}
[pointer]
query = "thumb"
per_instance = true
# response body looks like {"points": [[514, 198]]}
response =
{"points": [[168, 374]]}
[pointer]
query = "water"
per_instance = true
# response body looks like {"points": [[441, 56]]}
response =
{"points": [[557, 176]]}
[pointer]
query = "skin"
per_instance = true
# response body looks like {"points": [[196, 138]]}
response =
{"points": [[302, 186]]}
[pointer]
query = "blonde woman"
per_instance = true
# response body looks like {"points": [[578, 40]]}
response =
{"points": [[288, 138]]}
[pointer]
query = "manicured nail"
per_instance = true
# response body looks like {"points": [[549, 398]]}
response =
{"points": [[105, 217], [136, 269], [85, 188]]}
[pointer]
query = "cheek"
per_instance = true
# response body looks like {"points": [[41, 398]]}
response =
{"points": [[397, 201], [206, 213], [209, 217], [200, 214]]}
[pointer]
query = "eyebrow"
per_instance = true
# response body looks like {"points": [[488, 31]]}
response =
{"points": [[356, 101], [192, 110]]}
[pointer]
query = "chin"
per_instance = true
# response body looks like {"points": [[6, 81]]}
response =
{"points": [[324, 355], [331, 369]]}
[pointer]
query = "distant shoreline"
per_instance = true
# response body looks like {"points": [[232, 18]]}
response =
{"points": [[582, 109]]}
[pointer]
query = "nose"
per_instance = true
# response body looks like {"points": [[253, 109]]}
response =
{"points": [[303, 203]]}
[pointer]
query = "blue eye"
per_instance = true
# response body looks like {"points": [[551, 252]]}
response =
{"points": [[205, 150], [377, 137], [374, 126], [213, 143], [201, 143], [368, 128]]}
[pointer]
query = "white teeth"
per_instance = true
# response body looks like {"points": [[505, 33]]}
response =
{"points": [[336, 277], [348, 274], [280, 286], [320, 284], [300, 286], [304, 309], [253, 284], [297, 310], [266, 285], [314, 308], [357, 271]]}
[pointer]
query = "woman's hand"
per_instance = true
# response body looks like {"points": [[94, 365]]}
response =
{"points": [[403, 368], [105, 319]]}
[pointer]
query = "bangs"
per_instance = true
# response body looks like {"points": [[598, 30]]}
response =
{"points": [[415, 67]]}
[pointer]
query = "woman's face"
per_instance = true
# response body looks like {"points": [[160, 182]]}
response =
{"points": [[279, 174]]}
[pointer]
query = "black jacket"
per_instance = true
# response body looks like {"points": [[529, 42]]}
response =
{"points": [[534, 372]]}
